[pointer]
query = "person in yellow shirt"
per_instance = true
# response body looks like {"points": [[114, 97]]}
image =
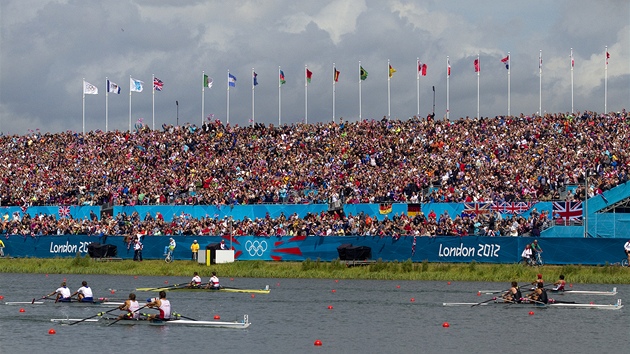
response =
{"points": [[195, 250], [1, 248]]}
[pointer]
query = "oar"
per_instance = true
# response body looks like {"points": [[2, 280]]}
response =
{"points": [[46, 297], [477, 304], [98, 314], [159, 288], [182, 316], [123, 317]]}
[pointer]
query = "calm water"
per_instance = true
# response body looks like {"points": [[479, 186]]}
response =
{"points": [[367, 317]]}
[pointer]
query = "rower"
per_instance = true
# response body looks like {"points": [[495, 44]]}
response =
{"points": [[539, 294], [538, 281], [161, 304], [195, 282], [214, 282], [84, 294], [63, 293], [559, 285], [131, 306], [513, 294]]}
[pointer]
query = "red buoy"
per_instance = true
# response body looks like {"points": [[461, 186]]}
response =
{"points": [[330, 307], [253, 296], [478, 293], [413, 299], [446, 325], [166, 282], [449, 283], [317, 342], [135, 277], [113, 291], [1, 297], [217, 317], [397, 286], [22, 310], [333, 290], [570, 285], [336, 280], [531, 313], [52, 331], [231, 279]]}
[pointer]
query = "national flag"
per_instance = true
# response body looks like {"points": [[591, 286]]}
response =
{"points": [[572, 60], [567, 211], [231, 80], [476, 64], [89, 89], [424, 70], [506, 61], [255, 79], [207, 81], [112, 87], [516, 207], [413, 247], [604, 198], [391, 71], [385, 208], [135, 85], [64, 211], [448, 67], [363, 73], [25, 207], [477, 208], [157, 84], [336, 75], [607, 57], [282, 80], [309, 74], [540, 62], [413, 209]]}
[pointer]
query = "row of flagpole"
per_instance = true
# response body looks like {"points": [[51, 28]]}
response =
{"points": [[137, 86]]}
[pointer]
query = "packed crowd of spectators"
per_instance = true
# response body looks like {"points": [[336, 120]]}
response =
{"points": [[371, 161]]}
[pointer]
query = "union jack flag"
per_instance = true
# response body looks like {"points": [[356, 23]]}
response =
{"points": [[157, 84], [516, 207], [471, 209], [64, 211], [567, 211], [24, 208], [413, 246]]}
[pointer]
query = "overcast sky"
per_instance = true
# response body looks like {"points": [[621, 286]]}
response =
{"points": [[48, 47]]}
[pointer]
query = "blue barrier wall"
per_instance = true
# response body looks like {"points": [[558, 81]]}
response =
{"points": [[590, 251]]}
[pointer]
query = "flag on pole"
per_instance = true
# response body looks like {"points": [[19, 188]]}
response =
{"points": [[207, 81], [89, 89], [363, 73], [282, 80], [112, 87], [572, 60], [607, 57], [309, 74], [448, 67], [540, 62], [423, 70], [506, 61], [476, 63], [231, 80], [391, 71], [157, 84], [255, 79], [135, 85], [336, 75]]}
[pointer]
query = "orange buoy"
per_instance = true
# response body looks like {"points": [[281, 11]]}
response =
{"points": [[531, 313], [22, 310], [478, 293], [336, 280], [113, 291], [253, 296], [217, 317], [449, 283], [1, 297], [413, 299], [317, 342], [330, 307], [446, 325], [397, 286], [52, 331], [333, 290]]}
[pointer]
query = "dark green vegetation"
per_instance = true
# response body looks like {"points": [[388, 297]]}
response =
{"points": [[608, 274]]}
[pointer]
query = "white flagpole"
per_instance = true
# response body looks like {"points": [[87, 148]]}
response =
{"points": [[572, 63], [418, 87], [448, 78], [305, 94], [253, 110], [509, 88], [106, 102], [359, 90], [540, 83], [203, 91], [83, 90], [389, 104], [153, 100], [333, 93], [228, 98], [606, 82], [130, 103], [478, 74], [279, 98]]}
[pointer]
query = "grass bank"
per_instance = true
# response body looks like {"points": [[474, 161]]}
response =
{"points": [[609, 274]]}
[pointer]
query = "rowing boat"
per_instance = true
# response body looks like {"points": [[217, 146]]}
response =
{"points": [[176, 322], [71, 303], [567, 292], [552, 303], [266, 290]]}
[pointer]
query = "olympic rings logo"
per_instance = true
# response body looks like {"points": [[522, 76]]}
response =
{"points": [[256, 248]]}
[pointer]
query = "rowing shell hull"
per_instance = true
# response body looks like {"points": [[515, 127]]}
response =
{"points": [[60, 303], [617, 306], [185, 323], [224, 290]]}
